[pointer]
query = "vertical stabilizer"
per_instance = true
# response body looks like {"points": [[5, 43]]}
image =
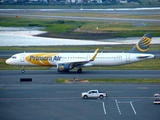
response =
{"points": [[143, 45]]}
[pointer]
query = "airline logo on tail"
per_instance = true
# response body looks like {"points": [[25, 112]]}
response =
{"points": [[143, 44]]}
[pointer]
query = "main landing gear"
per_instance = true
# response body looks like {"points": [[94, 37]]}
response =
{"points": [[79, 70], [23, 69]]}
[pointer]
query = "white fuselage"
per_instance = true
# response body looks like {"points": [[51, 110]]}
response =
{"points": [[52, 59]]}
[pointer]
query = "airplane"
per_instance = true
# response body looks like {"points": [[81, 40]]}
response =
{"points": [[68, 61]]}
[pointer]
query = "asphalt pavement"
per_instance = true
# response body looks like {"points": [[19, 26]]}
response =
{"points": [[50, 76], [49, 13], [43, 98], [25, 101]]}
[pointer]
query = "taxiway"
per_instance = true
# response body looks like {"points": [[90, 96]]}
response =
{"points": [[50, 76], [25, 101], [43, 98], [52, 14]]}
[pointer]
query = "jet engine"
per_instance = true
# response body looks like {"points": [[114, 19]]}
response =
{"points": [[63, 67]]}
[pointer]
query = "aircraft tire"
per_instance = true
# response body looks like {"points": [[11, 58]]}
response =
{"points": [[79, 70], [22, 71]]}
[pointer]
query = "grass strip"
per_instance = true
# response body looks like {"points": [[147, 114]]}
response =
{"points": [[110, 80], [65, 28]]}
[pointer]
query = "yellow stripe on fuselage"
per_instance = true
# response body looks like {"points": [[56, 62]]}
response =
{"points": [[42, 59]]}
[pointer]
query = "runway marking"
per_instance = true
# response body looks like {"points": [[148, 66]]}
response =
{"points": [[41, 99], [65, 92], [14, 92], [142, 88], [126, 102], [131, 97], [103, 105], [118, 107], [116, 91], [104, 109], [133, 108]]}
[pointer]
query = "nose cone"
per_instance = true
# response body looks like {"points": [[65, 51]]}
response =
{"points": [[8, 61]]}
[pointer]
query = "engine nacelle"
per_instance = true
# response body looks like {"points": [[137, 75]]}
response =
{"points": [[63, 67]]}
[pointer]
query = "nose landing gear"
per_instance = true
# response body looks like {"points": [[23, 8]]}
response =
{"points": [[23, 69]]}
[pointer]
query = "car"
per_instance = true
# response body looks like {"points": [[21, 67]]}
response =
{"points": [[94, 94], [156, 98]]}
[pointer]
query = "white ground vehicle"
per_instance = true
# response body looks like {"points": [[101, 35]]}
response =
{"points": [[94, 94], [156, 98]]}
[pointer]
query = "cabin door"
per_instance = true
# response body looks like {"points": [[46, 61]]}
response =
{"points": [[127, 58], [22, 57], [88, 57]]}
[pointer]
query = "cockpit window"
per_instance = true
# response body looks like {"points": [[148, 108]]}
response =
{"points": [[14, 57]]}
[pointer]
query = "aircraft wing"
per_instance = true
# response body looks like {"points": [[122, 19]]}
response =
{"points": [[75, 63], [81, 62]]}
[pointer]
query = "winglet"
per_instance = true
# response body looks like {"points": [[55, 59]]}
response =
{"points": [[143, 44], [95, 54]]}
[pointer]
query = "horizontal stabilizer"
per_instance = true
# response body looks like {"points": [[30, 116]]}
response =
{"points": [[145, 56]]}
